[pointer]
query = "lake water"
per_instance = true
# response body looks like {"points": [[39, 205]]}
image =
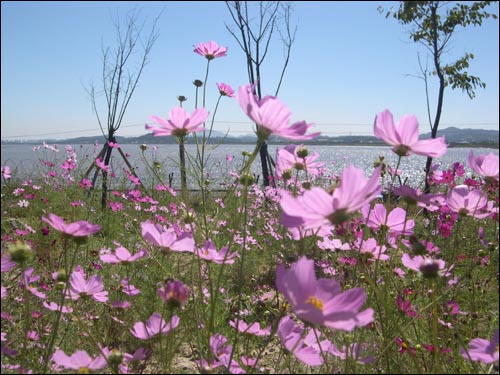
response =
{"points": [[27, 163]]}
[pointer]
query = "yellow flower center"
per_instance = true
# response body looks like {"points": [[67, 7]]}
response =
{"points": [[315, 302]]}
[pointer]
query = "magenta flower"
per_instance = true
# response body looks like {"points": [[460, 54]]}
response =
{"points": [[55, 307], [296, 157], [251, 329], [28, 280], [395, 222], [76, 229], [225, 90], [271, 116], [371, 249], [404, 136], [426, 266], [81, 288], [209, 252], [223, 353], [321, 302], [154, 326], [128, 288], [484, 165], [471, 203], [304, 347], [167, 238], [79, 361], [180, 123], [482, 350], [174, 293], [316, 207], [100, 163], [210, 50], [121, 256], [6, 173]]}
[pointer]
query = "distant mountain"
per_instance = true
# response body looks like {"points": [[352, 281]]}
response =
{"points": [[453, 136], [456, 135]]}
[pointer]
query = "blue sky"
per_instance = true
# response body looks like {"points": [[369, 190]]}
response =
{"points": [[348, 63]]}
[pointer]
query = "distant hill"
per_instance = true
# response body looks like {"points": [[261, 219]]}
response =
{"points": [[453, 136], [456, 135]]}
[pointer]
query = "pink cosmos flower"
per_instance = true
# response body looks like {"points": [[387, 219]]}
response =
{"points": [[225, 90], [180, 123], [484, 165], [471, 203], [316, 207], [426, 266], [210, 50], [76, 229], [404, 136], [223, 353], [271, 116], [304, 347], [154, 326], [128, 288], [321, 302], [371, 249], [332, 244], [28, 279], [167, 238], [55, 307], [100, 163], [251, 329], [6, 173], [81, 288], [482, 350], [174, 293], [296, 157], [79, 361], [209, 252], [396, 221], [121, 256]]}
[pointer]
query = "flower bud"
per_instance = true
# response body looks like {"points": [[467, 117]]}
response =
{"points": [[247, 180], [286, 175], [62, 276], [20, 252], [306, 185], [302, 152], [188, 218], [299, 166], [429, 269], [115, 358], [143, 147], [417, 246], [197, 83]]}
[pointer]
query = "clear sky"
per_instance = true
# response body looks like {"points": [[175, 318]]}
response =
{"points": [[348, 63]]}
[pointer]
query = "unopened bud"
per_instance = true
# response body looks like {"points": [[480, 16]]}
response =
{"points": [[302, 152], [20, 252], [246, 180], [62, 276], [197, 83], [115, 358], [143, 147]]}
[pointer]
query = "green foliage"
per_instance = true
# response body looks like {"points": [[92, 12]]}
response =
{"points": [[433, 25]]}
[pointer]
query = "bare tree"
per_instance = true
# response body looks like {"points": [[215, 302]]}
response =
{"points": [[254, 37], [122, 68]]}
